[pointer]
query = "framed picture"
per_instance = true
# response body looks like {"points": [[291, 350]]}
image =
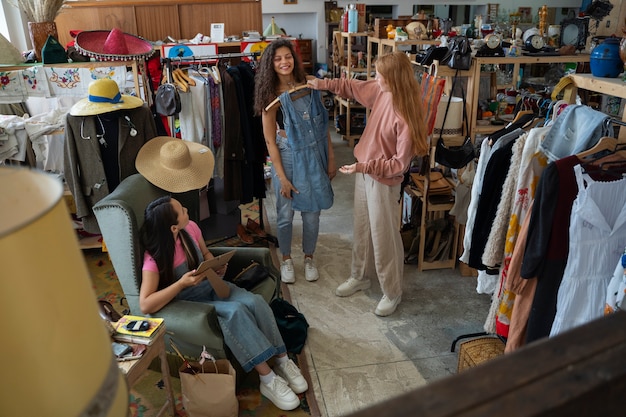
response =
{"points": [[526, 13], [574, 32], [290, 1]]}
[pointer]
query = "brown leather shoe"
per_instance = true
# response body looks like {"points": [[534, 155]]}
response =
{"points": [[255, 228], [243, 235]]}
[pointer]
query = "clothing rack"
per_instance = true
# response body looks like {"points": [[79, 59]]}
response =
{"points": [[167, 62]]}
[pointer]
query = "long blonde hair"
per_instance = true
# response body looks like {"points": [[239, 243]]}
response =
{"points": [[397, 70]]}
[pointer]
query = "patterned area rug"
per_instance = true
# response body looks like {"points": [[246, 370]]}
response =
{"points": [[148, 395]]}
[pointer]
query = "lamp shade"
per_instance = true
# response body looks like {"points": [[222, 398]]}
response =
{"points": [[56, 353], [272, 29]]}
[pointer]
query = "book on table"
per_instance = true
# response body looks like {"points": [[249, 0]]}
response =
{"points": [[128, 351], [130, 329]]}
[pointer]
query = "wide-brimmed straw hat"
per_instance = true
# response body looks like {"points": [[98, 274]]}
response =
{"points": [[113, 45], [103, 97], [175, 165]]}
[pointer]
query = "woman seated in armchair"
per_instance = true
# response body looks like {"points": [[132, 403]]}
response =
{"points": [[174, 247]]}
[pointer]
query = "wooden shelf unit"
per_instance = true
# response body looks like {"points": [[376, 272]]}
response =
{"points": [[343, 106], [432, 211], [306, 54], [609, 86], [517, 62], [385, 46]]}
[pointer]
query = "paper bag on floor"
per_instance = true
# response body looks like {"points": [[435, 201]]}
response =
{"points": [[208, 390]]}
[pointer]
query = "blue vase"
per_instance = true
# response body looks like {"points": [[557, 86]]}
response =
{"points": [[605, 60]]}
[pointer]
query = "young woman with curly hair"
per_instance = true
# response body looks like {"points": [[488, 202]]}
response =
{"points": [[298, 142], [395, 132]]}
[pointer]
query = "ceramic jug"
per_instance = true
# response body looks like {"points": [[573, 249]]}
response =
{"points": [[605, 60]]}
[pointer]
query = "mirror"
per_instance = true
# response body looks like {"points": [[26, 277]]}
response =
{"points": [[574, 32]]}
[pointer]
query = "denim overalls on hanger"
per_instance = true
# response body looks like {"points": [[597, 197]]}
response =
{"points": [[306, 125]]}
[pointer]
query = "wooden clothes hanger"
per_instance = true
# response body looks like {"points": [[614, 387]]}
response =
{"points": [[214, 72], [293, 90], [608, 162], [605, 146]]}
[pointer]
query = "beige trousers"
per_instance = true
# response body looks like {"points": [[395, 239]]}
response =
{"points": [[377, 248]]}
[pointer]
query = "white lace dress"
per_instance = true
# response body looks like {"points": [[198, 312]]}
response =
{"points": [[597, 237]]}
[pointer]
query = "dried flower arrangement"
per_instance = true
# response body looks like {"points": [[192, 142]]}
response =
{"points": [[39, 10]]}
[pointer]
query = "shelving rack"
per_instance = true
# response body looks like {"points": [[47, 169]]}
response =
{"points": [[348, 68], [385, 46], [517, 62]]}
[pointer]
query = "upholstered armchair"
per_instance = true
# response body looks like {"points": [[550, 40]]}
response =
{"points": [[190, 324]]}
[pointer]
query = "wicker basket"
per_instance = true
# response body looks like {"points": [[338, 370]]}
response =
{"points": [[476, 351]]}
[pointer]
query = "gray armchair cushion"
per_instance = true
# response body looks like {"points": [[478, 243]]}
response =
{"points": [[191, 325]]}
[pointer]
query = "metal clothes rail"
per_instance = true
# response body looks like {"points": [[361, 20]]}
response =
{"points": [[194, 58]]}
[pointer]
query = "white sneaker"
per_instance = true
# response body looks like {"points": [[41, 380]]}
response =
{"points": [[279, 393], [310, 270], [351, 286], [287, 274], [290, 372], [387, 306]]}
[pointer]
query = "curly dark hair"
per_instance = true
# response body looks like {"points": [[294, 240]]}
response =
{"points": [[266, 81]]}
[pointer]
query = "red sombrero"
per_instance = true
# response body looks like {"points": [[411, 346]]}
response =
{"points": [[113, 45]]}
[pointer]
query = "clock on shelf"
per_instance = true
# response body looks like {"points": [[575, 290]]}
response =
{"points": [[492, 46], [574, 32], [534, 43]]}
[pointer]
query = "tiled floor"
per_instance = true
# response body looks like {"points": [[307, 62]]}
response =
{"points": [[355, 358]]}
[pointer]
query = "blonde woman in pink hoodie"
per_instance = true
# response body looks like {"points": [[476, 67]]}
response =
{"points": [[395, 132]]}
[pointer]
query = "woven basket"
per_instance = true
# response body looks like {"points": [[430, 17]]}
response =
{"points": [[476, 351]]}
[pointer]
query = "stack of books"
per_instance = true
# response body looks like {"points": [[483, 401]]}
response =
{"points": [[127, 329]]}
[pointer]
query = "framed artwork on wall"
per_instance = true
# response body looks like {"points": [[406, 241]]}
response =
{"points": [[290, 1], [526, 13]]}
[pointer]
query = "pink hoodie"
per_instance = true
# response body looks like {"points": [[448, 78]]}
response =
{"points": [[385, 149]]}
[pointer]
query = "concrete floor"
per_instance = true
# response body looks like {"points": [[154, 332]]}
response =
{"points": [[355, 358]]}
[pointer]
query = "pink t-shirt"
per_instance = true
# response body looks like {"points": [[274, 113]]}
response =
{"points": [[149, 264]]}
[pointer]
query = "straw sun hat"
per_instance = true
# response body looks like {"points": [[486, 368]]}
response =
{"points": [[113, 45], [104, 97], [175, 165]]}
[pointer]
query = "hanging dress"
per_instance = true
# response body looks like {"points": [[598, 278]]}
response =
{"points": [[597, 237], [306, 125]]}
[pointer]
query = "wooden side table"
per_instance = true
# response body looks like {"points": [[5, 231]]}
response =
{"points": [[134, 369]]}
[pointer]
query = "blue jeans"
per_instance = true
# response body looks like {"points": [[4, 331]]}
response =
{"points": [[285, 212], [246, 320]]}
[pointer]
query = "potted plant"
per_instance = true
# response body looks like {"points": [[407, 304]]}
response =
{"points": [[40, 15]]}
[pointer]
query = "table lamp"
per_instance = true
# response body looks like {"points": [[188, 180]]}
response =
{"points": [[56, 353], [272, 29]]}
